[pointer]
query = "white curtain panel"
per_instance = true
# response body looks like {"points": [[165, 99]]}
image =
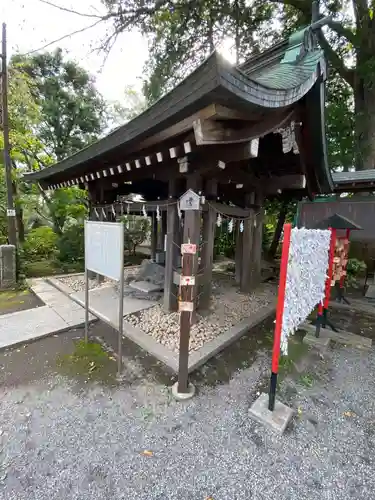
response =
{"points": [[306, 276]]}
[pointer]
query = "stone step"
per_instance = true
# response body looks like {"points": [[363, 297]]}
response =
{"points": [[341, 336], [145, 286]]}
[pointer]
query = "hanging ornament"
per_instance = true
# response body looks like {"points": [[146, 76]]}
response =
{"points": [[113, 211], [144, 212], [219, 220], [241, 226], [96, 214], [103, 213], [158, 216], [230, 226], [128, 209]]}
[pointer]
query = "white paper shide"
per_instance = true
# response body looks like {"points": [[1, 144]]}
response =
{"points": [[306, 276]]}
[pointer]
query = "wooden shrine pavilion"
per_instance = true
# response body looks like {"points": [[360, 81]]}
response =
{"points": [[234, 135]]}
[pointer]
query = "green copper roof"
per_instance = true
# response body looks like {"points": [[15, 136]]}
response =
{"points": [[292, 64], [289, 75]]}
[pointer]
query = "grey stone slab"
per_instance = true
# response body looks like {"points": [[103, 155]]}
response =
{"points": [[342, 337], [276, 420], [150, 271], [59, 300], [73, 317], [104, 304], [31, 324], [317, 342], [40, 286], [355, 305], [370, 294], [62, 287], [145, 286], [8, 266]]}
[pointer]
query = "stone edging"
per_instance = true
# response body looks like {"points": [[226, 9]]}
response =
{"points": [[200, 356], [170, 359]]}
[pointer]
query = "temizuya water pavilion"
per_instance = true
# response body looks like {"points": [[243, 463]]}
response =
{"points": [[234, 135]]}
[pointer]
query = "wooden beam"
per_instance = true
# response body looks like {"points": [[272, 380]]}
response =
{"points": [[285, 182], [229, 153], [247, 237], [238, 255], [256, 249], [154, 235], [213, 132], [171, 254], [209, 131], [209, 220]]}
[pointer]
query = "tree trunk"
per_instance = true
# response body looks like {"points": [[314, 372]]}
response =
{"points": [[364, 99], [278, 230], [57, 227], [19, 214], [20, 224]]}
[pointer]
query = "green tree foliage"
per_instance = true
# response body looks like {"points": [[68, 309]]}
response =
{"points": [[137, 230], [71, 244], [182, 33], [40, 243], [54, 111], [349, 46], [71, 108]]}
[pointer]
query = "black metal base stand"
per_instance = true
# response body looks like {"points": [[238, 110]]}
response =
{"points": [[272, 394], [340, 295], [322, 321]]}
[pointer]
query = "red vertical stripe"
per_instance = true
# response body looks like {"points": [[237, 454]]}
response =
{"points": [[342, 279], [281, 297], [330, 268]]}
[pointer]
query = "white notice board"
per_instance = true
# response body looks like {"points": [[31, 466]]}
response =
{"points": [[104, 248]]}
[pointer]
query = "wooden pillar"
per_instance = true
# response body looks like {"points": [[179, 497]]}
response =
{"points": [[154, 235], [247, 244], [164, 229], [207, 251], [238, 254], [256, 271], [192, 227], [172, 227], [192, 219]]}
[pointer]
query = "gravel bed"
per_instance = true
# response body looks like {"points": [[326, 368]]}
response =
{"points": [[228, 308], [77, 281], [57, 442]]}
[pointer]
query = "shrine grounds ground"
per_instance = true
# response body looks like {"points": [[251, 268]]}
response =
{"points": [[70, 430]]}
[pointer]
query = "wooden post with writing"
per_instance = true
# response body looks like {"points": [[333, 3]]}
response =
{"points": [[190, 204]]}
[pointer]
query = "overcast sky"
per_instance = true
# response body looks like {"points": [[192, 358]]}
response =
{"points": [[31, 24]]}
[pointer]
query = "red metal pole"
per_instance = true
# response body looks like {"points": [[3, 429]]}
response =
{"points": [[342, 279], [279, 315], [320, 320], [330, 268]]}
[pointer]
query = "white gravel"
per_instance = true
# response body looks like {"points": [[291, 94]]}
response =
{"points": [[57, 443], [228, 308], [77, 281]]}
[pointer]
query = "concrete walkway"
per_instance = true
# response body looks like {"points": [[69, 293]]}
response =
{"points": [[59, 313]]}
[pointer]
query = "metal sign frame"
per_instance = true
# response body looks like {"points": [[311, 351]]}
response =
{"points": [[120, 279]]}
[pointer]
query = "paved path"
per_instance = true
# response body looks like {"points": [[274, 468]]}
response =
{"points": [[59, 313]]}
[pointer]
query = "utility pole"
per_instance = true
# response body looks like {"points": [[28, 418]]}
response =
{"points": [[11, 213]]}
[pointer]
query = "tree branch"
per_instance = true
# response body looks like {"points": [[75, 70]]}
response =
{"points": [[337, 62], [341, 30], [63, 37], [302, 5], [65, 9]]}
